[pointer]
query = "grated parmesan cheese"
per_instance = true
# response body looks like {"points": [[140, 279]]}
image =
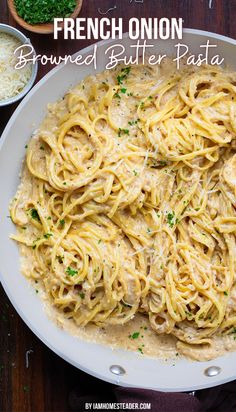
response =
{"points": [[12, 81]]}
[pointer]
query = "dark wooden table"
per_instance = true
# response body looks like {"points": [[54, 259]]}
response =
{"points": [[49, 383]]}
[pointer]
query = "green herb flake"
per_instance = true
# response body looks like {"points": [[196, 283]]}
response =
{"points": [[34, 214], [163, 163], [62, 222], [123, 131], [135, 172], [117, 95], [123, 75], [71, 272], [47, 235], [82, 295], [225, 293], [135, 335], [171, 219], [123, 90], [133, 122], [140, 350]]}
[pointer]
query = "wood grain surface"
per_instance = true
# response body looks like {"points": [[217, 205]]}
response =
{"points": [[49, 383]]}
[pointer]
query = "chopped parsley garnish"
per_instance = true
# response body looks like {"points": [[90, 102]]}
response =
{"points": [[132, 122], [135, 172], [140, 350], [26, 146], [99, 241], [47, 235], [38, 11], [34, 214], [188, 313], [82, 295], [62, 222], [171, 219], [124, 73], [225, 293], [123, 90], [135, 335], [71, 272], [117, 95], [42, 148], [123, 131], [149, 230]]}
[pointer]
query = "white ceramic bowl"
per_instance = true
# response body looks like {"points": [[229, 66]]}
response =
{"points": [[4, 28], [90, 357]]}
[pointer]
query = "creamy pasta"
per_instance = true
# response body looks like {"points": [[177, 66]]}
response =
{"points": [[127, 202]]}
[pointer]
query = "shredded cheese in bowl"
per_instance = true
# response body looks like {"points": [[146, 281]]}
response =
{"points": [[12, 81]]}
